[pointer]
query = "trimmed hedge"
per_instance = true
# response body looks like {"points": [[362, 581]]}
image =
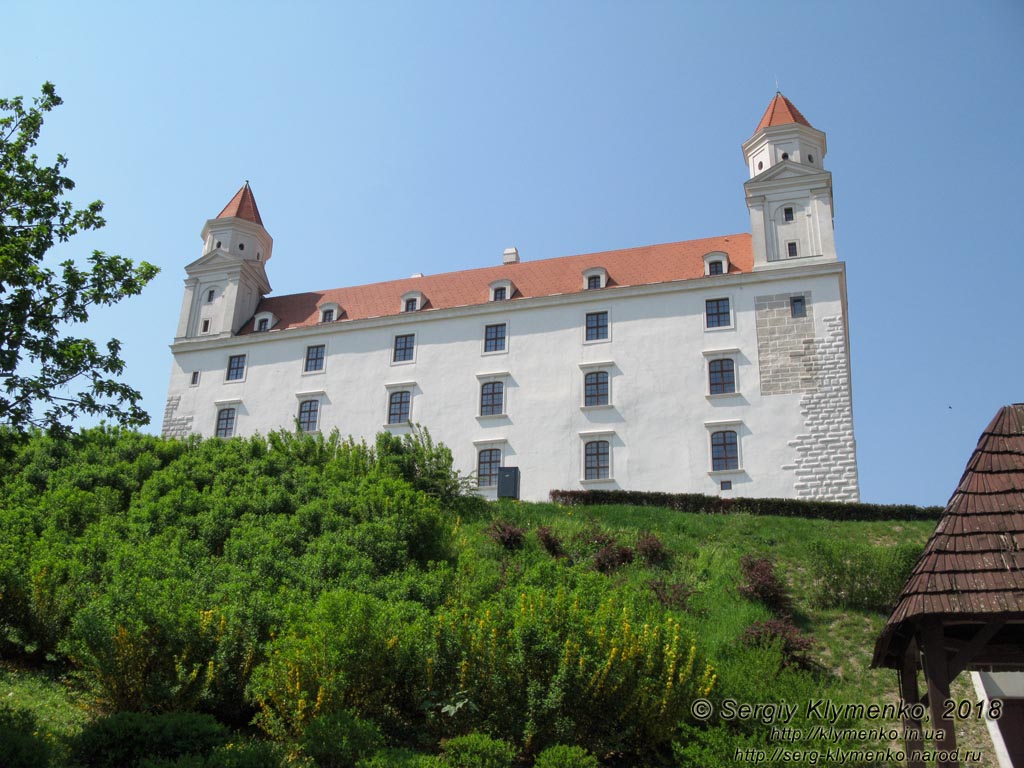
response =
{"points": [[716, 505]]}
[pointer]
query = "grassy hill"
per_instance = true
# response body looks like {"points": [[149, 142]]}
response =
{"points": [[296, 600]]}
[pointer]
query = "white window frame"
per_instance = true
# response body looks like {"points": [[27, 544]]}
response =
{"points": [[606, 366], [399, 386], [195, 378], [594, 311], [483, 337], [394, 341], [588, 436], [508, 285], [721, 354], [486, 378], [205, 323], [220, 405], [721, 256], [270, 317], [595, 272], [328, 305], [245, 368], [409, 295], [318, 396], [734, 425], [499, 443], [305, 356], [732, 312]]}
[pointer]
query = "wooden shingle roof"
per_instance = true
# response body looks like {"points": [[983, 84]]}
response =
{"points": [[972, 569]]}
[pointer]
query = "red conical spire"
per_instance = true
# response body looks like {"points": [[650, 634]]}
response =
{"points": [[781, 112], [242, 206]]}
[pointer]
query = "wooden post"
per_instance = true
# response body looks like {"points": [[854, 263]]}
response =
{"points": [[936, 672], [913, 736]]}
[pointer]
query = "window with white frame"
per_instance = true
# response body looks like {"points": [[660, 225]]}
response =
{"points": [[225, 422], [327, 315], [404, 350], [315, 356], [494, 337], [721, 376], [501, 290], [492, 398], [195, 379], [597, 460], [724, 445], [595, 388], [596, 326], [236, 368], [717, 313], [412, 301], [262, 325], [399, 406], [595, 278], [487, 466], [716, 263], [309, 415]]}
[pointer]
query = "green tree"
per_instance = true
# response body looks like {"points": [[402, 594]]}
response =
{"points": [[47, 376]]}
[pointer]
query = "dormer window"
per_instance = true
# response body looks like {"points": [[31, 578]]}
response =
{"points": [[412, 301], [595, 278], [329, 311], [501, 290], [264, 321], [716, 263]]}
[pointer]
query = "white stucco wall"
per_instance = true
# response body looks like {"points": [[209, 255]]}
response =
{"points": [[658, 423]]}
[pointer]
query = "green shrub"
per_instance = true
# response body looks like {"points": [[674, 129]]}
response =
{"points": [[399, 758], [849, 574], [561, 756], [21, 744], [123, 740], [339, 739], [477, 750], [241, 754]]}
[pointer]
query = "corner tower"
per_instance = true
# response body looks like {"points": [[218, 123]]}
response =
{"points": [[226, 284], [789, 193]]}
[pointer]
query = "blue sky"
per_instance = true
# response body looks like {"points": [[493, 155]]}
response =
{"points": [[383, 139]]}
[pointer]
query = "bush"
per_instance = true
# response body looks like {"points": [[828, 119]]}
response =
{"points": [[340, 739], [762, 585], [398, 758], [561, 756], [477, 750], [508, 535], [243, 754], [652, 550], [550, 541], [123, 740], [21, 745], [853, 575], [608, 558], [793, 643], [672, 594]]}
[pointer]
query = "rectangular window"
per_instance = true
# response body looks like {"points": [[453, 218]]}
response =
{"points": [[225, 422], [236, 368], [309, 413], [726, 485], [593, 282], [715, 268], [264, 324], [487, 467], [595, 388], [791, 249], [724, 451], [206, 326], [716, 312], [209, 296], [721, 377], [410, 305], [797, 306], [195, 379], [492, 398], [404, 347], [597, 326], [597, 462], [315, 358], [787, 214], [500, 293], [327, 316], [399, 404], [494, 338]]}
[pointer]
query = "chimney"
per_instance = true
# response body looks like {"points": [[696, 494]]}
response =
{"points": [[511, 256]]}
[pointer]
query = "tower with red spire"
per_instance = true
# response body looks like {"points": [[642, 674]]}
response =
{"points": [[789, 193], [225, 285]]}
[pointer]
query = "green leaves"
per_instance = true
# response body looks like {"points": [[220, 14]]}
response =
{"points": [[48, 377]]}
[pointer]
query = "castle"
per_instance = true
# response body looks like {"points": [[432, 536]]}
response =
{"points": [[716, 366]]}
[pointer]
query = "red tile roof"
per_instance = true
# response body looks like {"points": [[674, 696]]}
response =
{"points": [[781, 112], [243, 206], [973, 565], [646, 265]]}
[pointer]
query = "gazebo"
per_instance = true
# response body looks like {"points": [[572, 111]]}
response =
{"points": [[963, 607]]}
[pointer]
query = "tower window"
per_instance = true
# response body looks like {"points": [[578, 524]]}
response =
{"points": [[785, 155], [206, 326], [760, 165], [218, 243], [810, 159], [797, 306], [195, 379], [791, 249], [241, 246], [787, 214], [209, 295]]}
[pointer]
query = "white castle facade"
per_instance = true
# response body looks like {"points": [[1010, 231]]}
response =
{"points": [[716, 366]]}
